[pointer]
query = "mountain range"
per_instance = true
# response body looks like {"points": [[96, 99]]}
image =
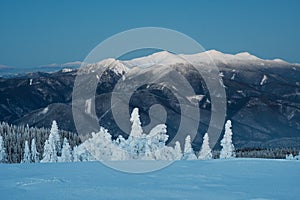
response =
{"points": [[263, 96]]}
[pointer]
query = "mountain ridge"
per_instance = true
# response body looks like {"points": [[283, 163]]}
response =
{"points": [[162, 58], [262, 100]]}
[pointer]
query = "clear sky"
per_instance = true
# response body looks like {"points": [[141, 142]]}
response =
{"points": [[34, 33]]}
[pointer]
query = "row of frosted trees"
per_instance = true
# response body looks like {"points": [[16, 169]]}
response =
{"points": [[16, 140], [101, 146]]}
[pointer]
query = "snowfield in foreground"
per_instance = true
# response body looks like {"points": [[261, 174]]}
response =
{"points": [[211, 179]]}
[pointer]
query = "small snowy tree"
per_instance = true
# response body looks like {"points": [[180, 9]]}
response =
{"points": [[228, 150], [27, 154], [34, 153], [156, 144], [2, 151], [66, 152], [188, 153], [289, 157], [136, 128], [205, 152], [178, 151], [298, 156], [101, 147], [76, 154]]}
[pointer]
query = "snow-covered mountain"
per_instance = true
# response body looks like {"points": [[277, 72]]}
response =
{"points": [[207, 57], [262, 95], [112, 64]]}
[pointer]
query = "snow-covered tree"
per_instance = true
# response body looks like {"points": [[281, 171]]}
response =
{"points": [[76, 154], [27, 153], [178, 151], [188, 153], [156, 144], [136, 127], [148, 154], [2, 151], [50, 153], [205, 152], [34, 152], [297, 157], [289, 157], [135, 145], [56, 138], [66, 152], [101, 147], [228, 150]]}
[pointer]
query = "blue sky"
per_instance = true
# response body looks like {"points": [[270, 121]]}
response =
{"points": [[34, 33]]}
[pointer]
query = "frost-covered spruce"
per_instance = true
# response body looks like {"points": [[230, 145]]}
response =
{"points": [[136, 142], [2, 151], [34, 152], [289, 157], [66, 152], [205, 152], [156, 143], [101, 147], [76, 154], [228, 150], [56, 138], [50, 153], [27, 153], [297, 157], [188, 153], [136, 127], [178, 151]]}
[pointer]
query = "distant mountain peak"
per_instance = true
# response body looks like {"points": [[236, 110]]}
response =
{"points": [[115, 65], [67, 64], [213, 52]]}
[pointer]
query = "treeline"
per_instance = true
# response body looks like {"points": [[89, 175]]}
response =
{"points": [[27, 145], [31, 144], [14, 138], [271, 153]]}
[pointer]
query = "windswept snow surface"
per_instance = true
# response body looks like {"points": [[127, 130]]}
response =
{"points": [[210, 179]]}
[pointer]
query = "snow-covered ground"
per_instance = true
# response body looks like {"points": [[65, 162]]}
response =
{"points": [[211, 179]]}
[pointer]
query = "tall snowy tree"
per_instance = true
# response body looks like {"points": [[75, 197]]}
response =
{"points": [[56, 138], [136, 127], [66, 152], [50, 153], [135, 145], [27, 153], [34, 152], [188, 153], [2, 151], [205, 152], [228, 150]]}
